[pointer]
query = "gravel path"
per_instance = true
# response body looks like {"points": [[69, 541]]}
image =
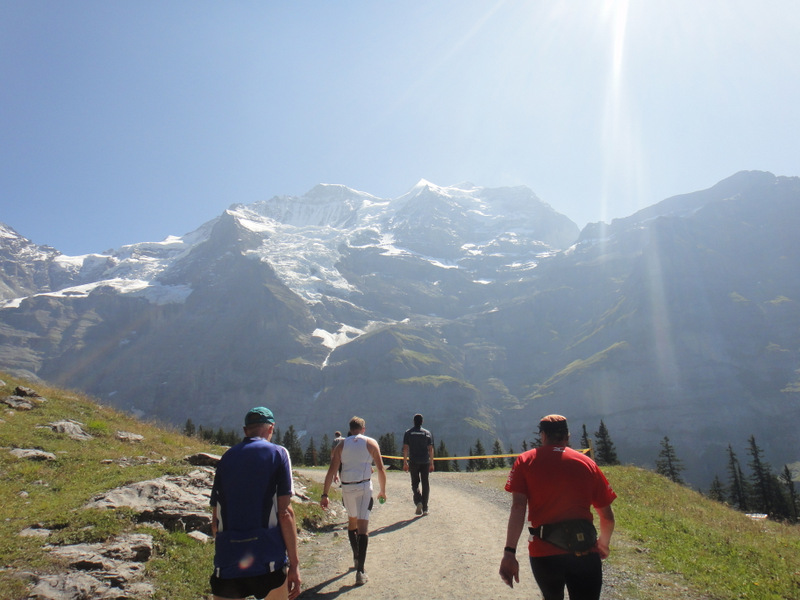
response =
{"points": [[452, 553]]}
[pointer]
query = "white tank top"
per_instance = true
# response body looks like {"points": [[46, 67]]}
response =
{"points": [[356, 459]]}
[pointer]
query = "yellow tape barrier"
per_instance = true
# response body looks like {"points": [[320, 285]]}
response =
{"points": [[583, 450]]}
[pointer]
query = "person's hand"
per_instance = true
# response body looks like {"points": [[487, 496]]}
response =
{"points": [[405, 466], [323, 502], [509, 569], [293, 579], [602, 549], [430, 469], [382, 497]]}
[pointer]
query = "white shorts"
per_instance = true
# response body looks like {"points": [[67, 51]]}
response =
{"points": [[357, 499]]}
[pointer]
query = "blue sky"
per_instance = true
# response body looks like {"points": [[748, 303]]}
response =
{"points": [[126, 121]]}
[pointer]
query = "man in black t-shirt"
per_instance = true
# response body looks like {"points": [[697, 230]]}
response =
{"points": [[418, 460]]}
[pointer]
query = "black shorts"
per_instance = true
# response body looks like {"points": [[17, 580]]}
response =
{"points": [[242, 587], [582, 575]]}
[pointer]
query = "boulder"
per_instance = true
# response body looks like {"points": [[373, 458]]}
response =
{"points": [[133, 461], [176, 501], [73, 429], [106, 571], [203, 459], [25, 391], [32, 454], [127, 436], [78, 585], [68, 586], [115, 562], [17, 403], [200, 536], [35, 532]]}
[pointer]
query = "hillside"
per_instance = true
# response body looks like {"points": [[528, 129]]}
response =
{"points": [[671, 543], [53, 541]]}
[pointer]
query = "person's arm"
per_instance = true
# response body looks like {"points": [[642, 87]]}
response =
{"points": [[509, 566], [375, 452], [336, 460], [405, 457], [214, 524], [430, 455], [289, 532], [607, 523]]}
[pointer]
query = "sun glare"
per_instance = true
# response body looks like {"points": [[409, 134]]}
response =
{"points": [[623, 157]]}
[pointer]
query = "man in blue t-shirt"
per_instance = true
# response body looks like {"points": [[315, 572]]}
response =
{"points": [[418, 460], [253, 522]]}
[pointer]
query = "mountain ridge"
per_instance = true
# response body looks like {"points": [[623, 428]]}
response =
{"points": [[482, 308]]}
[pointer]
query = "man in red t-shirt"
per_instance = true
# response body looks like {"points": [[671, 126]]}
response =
{"points": [[556, 483]]}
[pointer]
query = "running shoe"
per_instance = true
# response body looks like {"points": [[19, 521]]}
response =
{"points": [[361, 578], [419, 508]]}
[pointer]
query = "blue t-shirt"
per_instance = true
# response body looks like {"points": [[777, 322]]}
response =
{"points": [[249, 479]]}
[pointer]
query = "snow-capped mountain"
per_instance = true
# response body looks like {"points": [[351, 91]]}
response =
{"points": [[482, 308], [483, 233]]}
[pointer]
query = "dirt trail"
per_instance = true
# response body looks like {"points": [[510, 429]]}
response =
{"points": [[452, 553]]}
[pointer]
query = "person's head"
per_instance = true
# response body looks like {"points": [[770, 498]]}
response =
{"points": [[357, 425], [417, 420], [554, 430], [337, 434], [259, 422]]}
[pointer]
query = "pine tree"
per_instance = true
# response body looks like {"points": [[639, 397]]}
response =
{"points": [[388, 447], [292, 444], [585, 443], [481, 464], [764, 500], [737, 485], [311, 457], [441, 452], [606, 454], [786, 479], [497, 463], [668, 464], [717, 490], [234, 437], [220, 437], [511, 459], [189, 429], [325, 451], [470, 463], [781, 510]]}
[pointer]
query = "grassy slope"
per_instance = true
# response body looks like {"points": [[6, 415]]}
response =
{"points": [[51, 494], [718, 551], [670, 542]]}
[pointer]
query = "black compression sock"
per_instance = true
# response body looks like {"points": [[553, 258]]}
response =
{"points": [[352, 535], [363, 541]]}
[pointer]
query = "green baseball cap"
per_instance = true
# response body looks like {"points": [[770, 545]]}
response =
{"points": [[259, 414]]}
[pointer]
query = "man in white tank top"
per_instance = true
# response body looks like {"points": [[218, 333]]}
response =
{"points": [[356, 455]]}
